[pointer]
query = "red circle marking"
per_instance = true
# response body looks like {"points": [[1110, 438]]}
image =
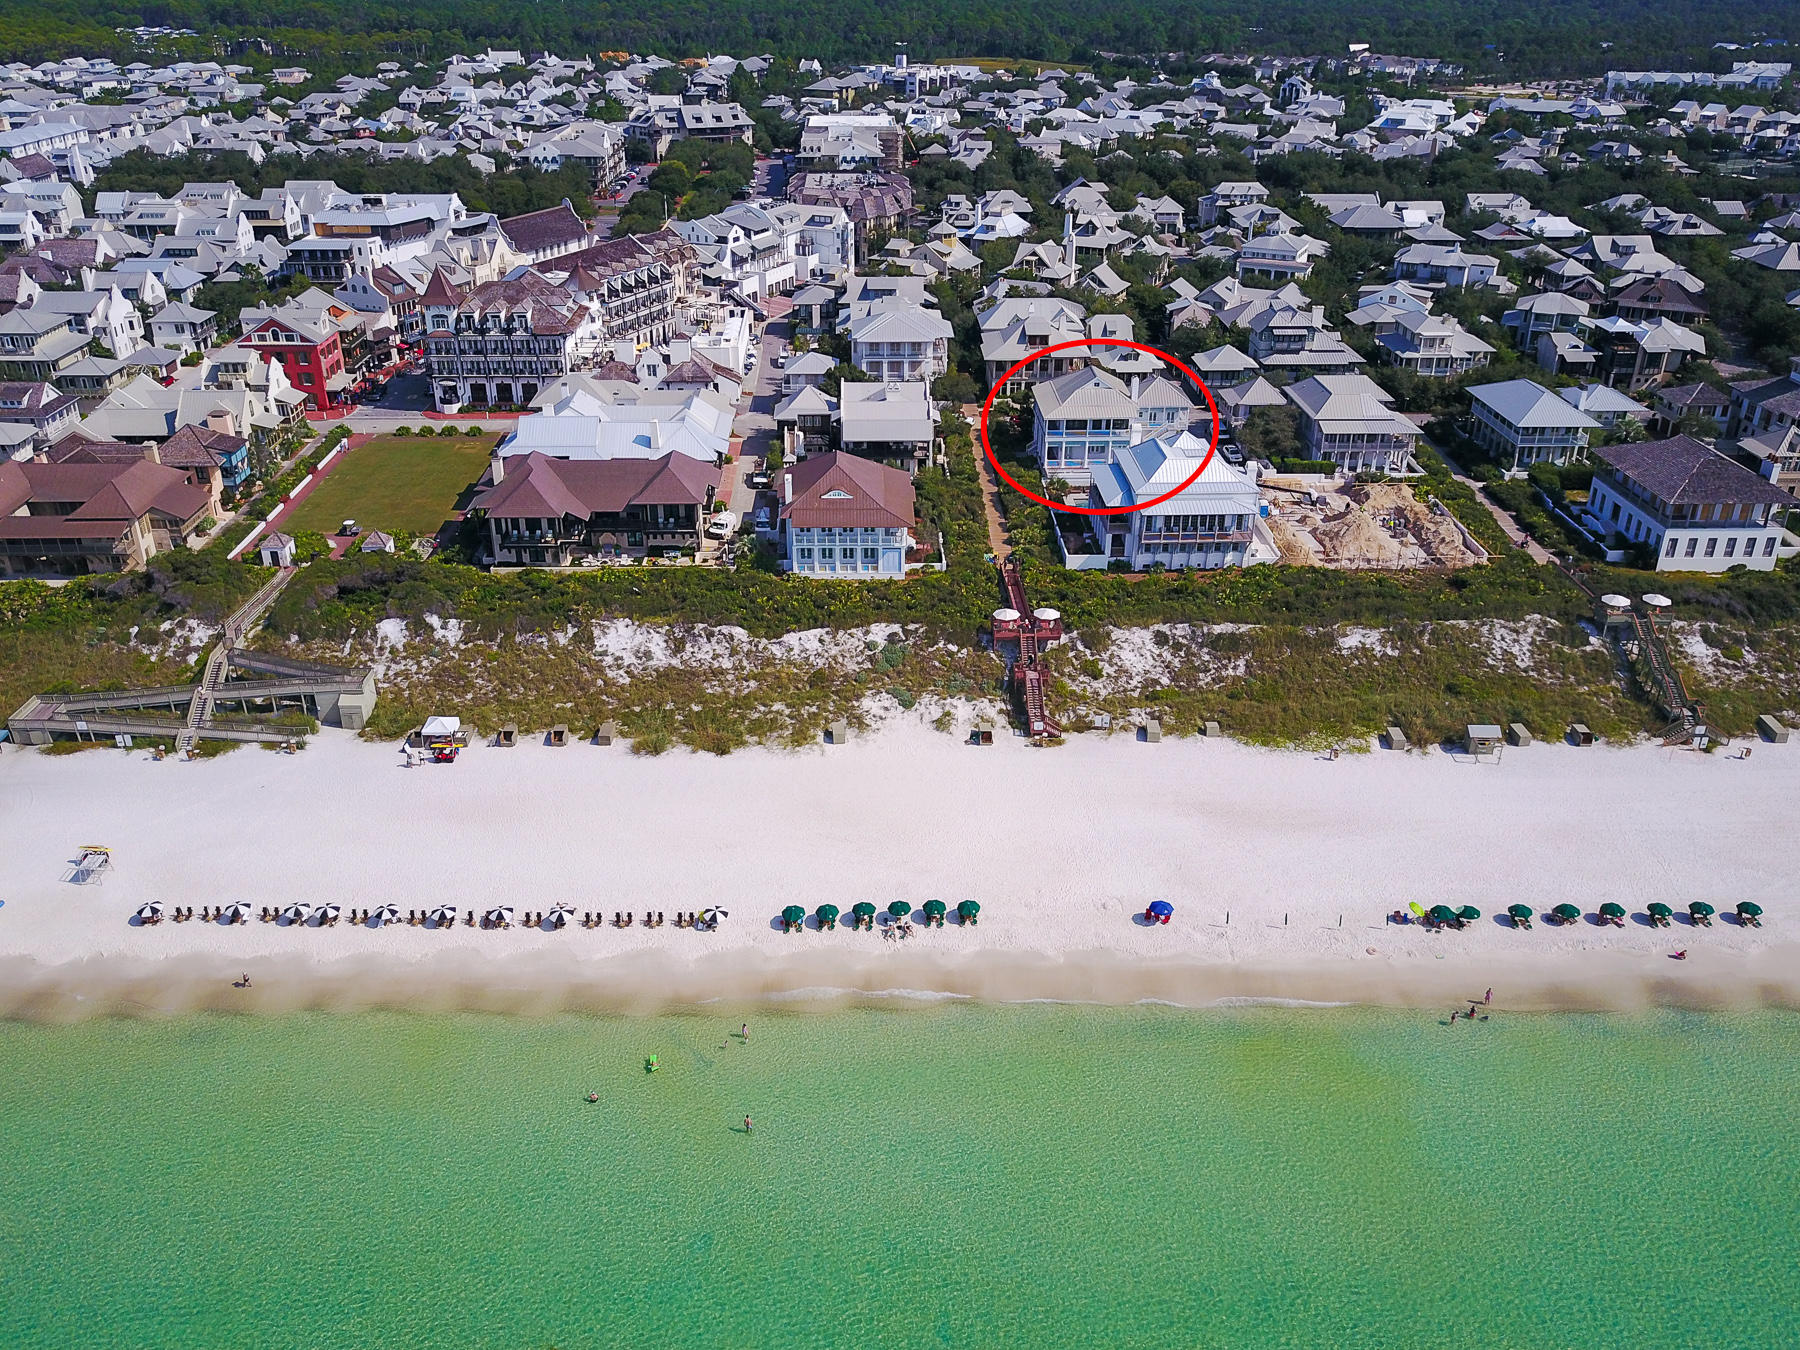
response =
{"points": [[1212, 449]]}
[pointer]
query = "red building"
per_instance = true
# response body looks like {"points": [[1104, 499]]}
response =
{"points": [[311, 354]]}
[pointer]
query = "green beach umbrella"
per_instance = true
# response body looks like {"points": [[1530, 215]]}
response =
{"points": [[863, 909], [1612, 911], [1700, 907], [1519, 911], [1442, 913], [793, 916], [1750, 907], [1566, 912], [1658, 909], [899, 909], [827, 913], [934, 909], [1468, 914], [968, 909]]}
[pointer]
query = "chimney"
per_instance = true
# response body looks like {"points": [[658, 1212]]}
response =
{"points": [[680, 349], [625, 353], [1136, 382], [1069, 241], [497, 466], [787, 489]]}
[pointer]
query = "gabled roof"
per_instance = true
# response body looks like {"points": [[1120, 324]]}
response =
{"points": [[836, 490]]}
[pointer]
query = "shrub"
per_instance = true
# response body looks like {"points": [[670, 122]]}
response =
{"points": [[474, 431], [403, 431]]}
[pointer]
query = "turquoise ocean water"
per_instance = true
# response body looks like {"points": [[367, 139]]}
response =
{"points": [[958, 1176]]}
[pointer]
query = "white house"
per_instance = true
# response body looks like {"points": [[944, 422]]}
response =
{"points": [[842, 516], [1522, 423], [1090, 417], [1211, 523], [1347, 419], [1693, 508]]}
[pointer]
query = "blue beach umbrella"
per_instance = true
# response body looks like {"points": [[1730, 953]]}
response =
{"points": [[1162, 909]]}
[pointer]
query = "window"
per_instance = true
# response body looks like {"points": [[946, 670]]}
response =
{"points": [[1769, 547], [1731, 547], [806, 555], [1712, 547], [1669, 552], [871, 556], [1690, 547]]}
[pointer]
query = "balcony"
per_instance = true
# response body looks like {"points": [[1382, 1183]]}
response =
{"points": [[1192, 537]]}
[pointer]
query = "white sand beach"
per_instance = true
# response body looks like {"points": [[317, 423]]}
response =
{"points": [[1281, 865]]}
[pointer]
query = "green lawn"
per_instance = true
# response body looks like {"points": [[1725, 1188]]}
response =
{"points": [[401, 484]]}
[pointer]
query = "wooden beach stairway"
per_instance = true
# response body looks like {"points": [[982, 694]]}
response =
{"points": [[253, 687], [1034, 631], [1642, 643], [238, 625]]}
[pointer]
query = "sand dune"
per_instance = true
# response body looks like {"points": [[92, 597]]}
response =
{"points": [[1281, 866]]}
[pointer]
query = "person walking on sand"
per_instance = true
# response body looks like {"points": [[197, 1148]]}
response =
{"points": [[1488, 998]]}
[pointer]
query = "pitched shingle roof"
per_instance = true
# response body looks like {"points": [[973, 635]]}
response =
{"points": [[1685, 472]]}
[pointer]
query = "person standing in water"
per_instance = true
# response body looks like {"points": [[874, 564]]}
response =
{"points": [[1488, 998]]}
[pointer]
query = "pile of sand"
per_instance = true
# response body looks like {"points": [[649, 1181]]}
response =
{"points": [[1437, 536], [1353, 539]]}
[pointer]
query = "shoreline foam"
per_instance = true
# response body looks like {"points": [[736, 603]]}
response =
{"points": [[537, 985]]}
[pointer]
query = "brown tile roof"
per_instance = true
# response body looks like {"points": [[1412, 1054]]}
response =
{"points": [[440, 290], [837, 489], [538, 231], [1685, 472], [106, 493], [539, 485], [196, 447]]}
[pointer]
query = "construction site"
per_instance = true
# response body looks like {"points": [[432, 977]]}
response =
{"points": [[1364, 526]]}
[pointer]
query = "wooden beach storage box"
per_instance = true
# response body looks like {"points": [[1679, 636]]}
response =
{"points": [[1481, 738]]}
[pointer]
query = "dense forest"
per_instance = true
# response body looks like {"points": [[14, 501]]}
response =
{"points": [[1507, 36]]}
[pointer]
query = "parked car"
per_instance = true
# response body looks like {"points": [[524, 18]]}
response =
{"points": [[761, 480], [763, 520], [349, 529], [721, 525]]}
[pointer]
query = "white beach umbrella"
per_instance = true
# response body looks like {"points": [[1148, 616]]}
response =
{"points": [[297, 913], [236, 912], [152, 910], [330, 911], [386, 914], [500, 914], [560, 915], [444, 915]]}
